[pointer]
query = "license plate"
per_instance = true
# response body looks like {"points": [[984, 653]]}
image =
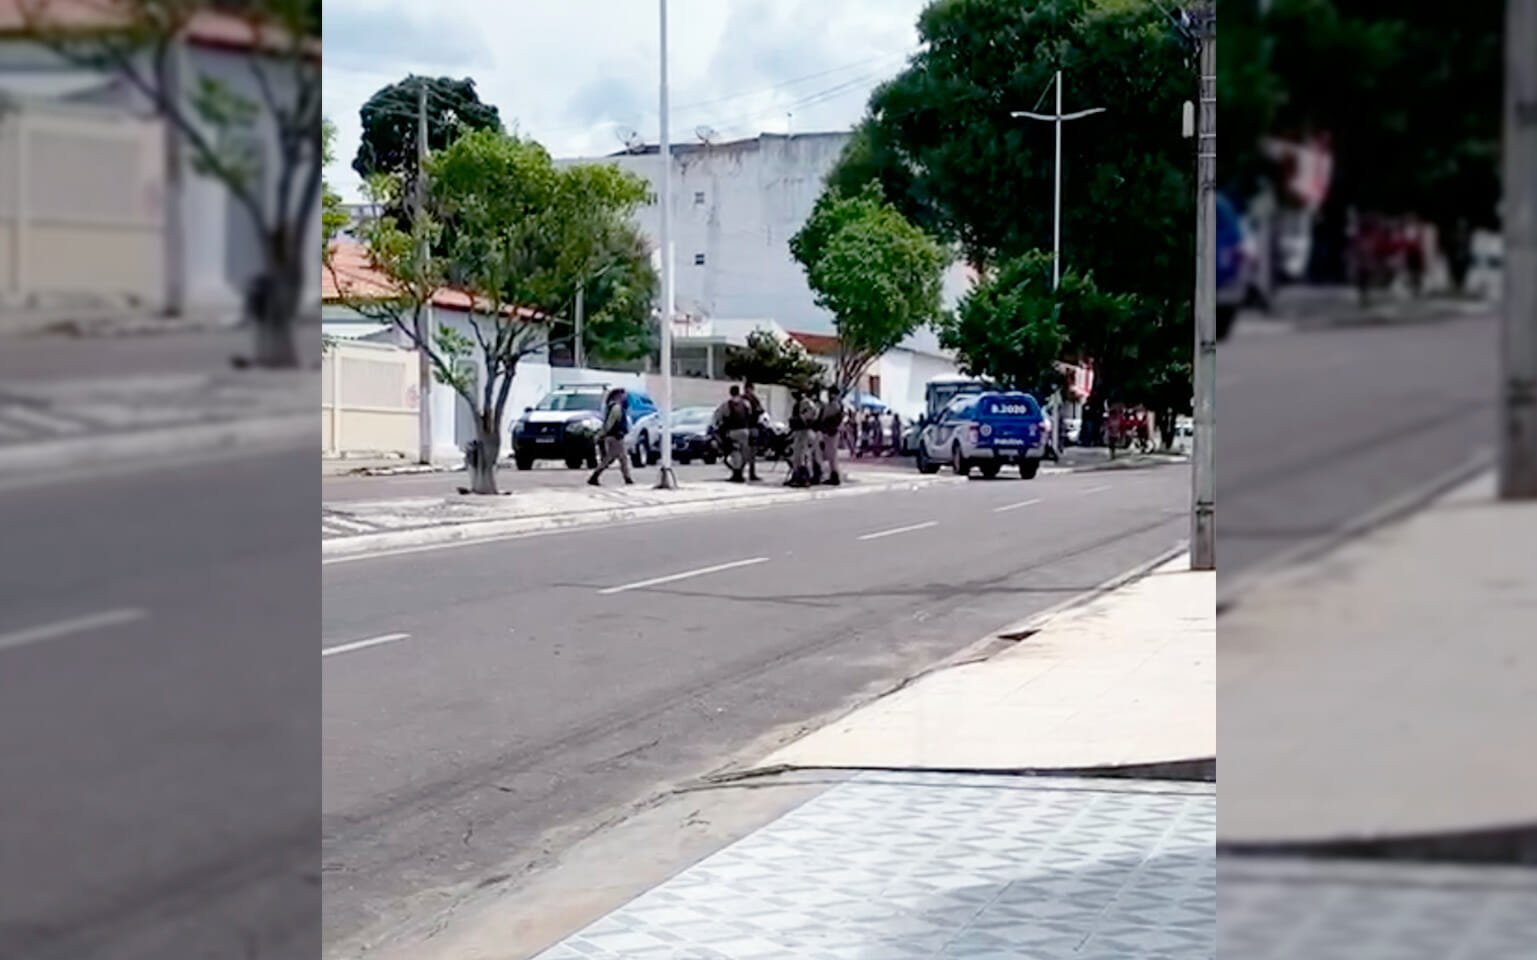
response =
{"points": [[544, 439], [1008, 442]]}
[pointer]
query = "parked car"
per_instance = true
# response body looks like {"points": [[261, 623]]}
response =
{"points": [[693, 437], [644, 441], [566, 425], [987, 431]]}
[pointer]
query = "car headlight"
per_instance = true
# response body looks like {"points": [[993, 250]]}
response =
{"points": [[586, 425]]}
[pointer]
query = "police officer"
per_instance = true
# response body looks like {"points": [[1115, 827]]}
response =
{"points": [[615, 425], [733, 419], [831, 423], [803, 415]]}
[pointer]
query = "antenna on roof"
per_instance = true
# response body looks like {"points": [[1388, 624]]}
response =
{"points": [[705, 134], [631, 139]]}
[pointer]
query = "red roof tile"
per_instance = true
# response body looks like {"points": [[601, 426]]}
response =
{"points": [[361, 280], [818, 344]]}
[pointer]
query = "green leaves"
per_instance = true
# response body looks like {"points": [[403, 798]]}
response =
{"points": [[879, 275], [767, 359]]}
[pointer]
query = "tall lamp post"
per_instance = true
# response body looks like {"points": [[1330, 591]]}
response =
{"points": [[1057, 119], [668, 480]]}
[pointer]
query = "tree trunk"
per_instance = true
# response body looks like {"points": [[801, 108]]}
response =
{"points": [[483, 468], [274, 305]]}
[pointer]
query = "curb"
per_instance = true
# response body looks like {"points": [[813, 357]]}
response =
{"points": [[1232, 590], [26, 460], [478, 531], [1511, 846]]}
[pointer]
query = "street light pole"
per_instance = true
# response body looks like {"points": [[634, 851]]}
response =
{"points": [[424, 316], [668, 480], [1518, 438], [1057, 120], [1203, 548]]}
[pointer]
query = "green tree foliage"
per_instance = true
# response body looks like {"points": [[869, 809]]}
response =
{"points": [[390, 125], [1009, 327], [768, 359], [333, 218], [509, 220], [940, 140], [876, 273]]}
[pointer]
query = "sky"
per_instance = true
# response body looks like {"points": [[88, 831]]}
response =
{"points": [[580, 76]]}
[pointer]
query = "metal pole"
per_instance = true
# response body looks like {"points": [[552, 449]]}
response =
{"points": [[579, 348], [668, 479], [1518, 438], [424, 317], [1203, 548], [1056, 214]]}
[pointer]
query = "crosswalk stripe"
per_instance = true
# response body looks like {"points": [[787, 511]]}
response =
{"points": [[44, 421]]}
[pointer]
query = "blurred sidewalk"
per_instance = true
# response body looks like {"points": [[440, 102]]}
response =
{"points": [[1126, 680], [1312, 307], [1388, 689]]}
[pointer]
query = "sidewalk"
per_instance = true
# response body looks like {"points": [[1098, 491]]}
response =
{"points": [[1388, 690], [1311, 307], [977, 865], [357, 527]]}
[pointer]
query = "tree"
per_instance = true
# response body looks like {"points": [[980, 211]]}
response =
{"points": [[333, 218], [876, 273], [136, 39], [768, 359], [390, 122], [940, 141], [1010, 328], [511, 215]]}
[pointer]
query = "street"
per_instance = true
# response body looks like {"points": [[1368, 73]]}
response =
{"points": [[1319, 428], [157, 710], [487, 705]]}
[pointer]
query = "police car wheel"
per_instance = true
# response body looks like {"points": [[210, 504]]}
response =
{"points": [[925, 465], [958, 463], [524, 463], [1029, 468]]}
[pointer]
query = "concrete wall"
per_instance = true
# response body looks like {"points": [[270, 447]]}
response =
{"points": [[81, 212]]}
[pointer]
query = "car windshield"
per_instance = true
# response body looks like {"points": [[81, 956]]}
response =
{"points": [[571, 401], [691, 416]]}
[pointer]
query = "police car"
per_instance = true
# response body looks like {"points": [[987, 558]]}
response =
{"points": [[987, 431]]}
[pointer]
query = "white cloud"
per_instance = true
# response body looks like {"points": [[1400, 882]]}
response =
{"points": [[576, 74]]}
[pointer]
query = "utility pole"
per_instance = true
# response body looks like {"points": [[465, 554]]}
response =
{"points": [[668, 480], [1518, 438], [424, 317], [1203, 548], [173, 83]]}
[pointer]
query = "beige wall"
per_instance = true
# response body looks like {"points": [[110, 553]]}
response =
{"points": [[81, 205], [368, 400]]}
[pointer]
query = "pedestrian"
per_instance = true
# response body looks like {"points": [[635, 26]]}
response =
{"points": [[803, 416], [896, 435], [615, 425], [733, 420], [832, 419]]}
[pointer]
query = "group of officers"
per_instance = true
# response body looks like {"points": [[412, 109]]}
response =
{"points": [[816, 417]]}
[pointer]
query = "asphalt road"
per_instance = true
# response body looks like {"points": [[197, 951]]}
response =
{"points": [[520, 692], [193, 351], [1316, 429], [159, 708]]}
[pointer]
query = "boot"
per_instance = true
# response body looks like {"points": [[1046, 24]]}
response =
{"points": [[834, 480], [593, 481]]}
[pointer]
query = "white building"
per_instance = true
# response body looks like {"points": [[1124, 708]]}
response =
{"points": [[735, 207], [88, 210]]}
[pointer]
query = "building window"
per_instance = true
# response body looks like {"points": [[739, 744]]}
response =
{"points": [[698, 259], [698, 197]]}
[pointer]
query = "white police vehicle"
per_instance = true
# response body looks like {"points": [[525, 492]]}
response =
{"points": [[988, 431]]}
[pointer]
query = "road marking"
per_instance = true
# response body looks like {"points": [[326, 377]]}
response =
{"points": [[685, 575], [37, 418], [363, 644], [1096, 489], [892, 533], [64, 628], [1016, 506]]}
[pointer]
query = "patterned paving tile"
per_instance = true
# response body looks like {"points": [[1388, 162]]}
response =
{"points": [[1282, 910], [900, 867]]}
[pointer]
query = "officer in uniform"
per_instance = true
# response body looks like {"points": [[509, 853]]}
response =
{"points": [[831, 423], [803, 416], [615, 425]]}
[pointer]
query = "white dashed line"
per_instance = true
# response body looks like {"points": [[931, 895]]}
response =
{"points": [[1096, 490], [685, 575], [63, 628], [892, 533], [1016, 506], [363, 644]]}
